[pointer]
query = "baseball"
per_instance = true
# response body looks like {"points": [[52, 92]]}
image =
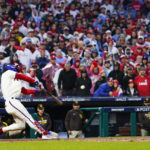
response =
{"points": [[82, 87]]}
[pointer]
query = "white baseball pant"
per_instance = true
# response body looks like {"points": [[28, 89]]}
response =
{"points": [[20, 115]]}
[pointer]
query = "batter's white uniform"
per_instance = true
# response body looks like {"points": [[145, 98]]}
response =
{"points": [[11, 90]]}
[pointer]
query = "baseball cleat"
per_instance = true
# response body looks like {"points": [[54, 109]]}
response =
{"points": [[50, 135]]}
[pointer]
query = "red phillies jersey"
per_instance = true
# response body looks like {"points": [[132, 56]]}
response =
{"points": [[143, 85], [137, 6]]}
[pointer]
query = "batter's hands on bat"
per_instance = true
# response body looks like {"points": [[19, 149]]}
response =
{"points": [[34, 84], [43, 91]]}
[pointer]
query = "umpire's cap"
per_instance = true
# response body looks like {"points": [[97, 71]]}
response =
{"points": [[40, 106]]}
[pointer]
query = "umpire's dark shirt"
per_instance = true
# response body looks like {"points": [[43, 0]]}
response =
{"points": [[74, 120], [67, 79], [45, 121]]}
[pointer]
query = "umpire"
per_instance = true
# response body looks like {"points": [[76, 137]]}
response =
{"points": [[43, 118], [144, 119], [74, 121]]}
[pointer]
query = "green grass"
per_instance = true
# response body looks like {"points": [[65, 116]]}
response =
{"points": [[75, 145]]}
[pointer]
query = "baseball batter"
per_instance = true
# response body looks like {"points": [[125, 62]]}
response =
{"points": [[11, 85]]}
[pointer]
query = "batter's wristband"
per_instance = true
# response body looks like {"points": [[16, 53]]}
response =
{"points": [[37, 91]]}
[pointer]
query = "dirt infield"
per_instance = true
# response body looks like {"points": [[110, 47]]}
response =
{"points": [[108, 139]]}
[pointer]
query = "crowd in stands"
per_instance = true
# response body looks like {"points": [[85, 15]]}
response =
{"points": [[79, 47]]}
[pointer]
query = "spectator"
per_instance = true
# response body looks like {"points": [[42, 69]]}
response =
{"points": [[30, 46], [125, 70], [2, 57], [105, 89], [76, 67], [86, 60], [94, 54], [62, 46], [66, 34], [83, 84], [136, 5], [107, 67], [144, 61], [127, 62], [142, 82], [107, 6], [74, 121], [131, 90], [60, 57], [138, 54], [66, 81], [24, 55], [148, 68], [117, 91], [23, 69], [4, 45], [137, 69], [21, 27], [14, 60], [56, 76], [5, 32], [130, 75], [37, 52], [39, 72], [101, 80], [49, 73], [29, 36], [116, 74], [98, 63], [42, 60], [75, 56], [111, 47], [11, 49], [94, 78]]}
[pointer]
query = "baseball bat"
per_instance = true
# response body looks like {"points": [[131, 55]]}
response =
{"points": [[59, 102]]}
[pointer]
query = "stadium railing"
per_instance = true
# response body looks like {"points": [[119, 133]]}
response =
{"points": [[103, 113]]}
